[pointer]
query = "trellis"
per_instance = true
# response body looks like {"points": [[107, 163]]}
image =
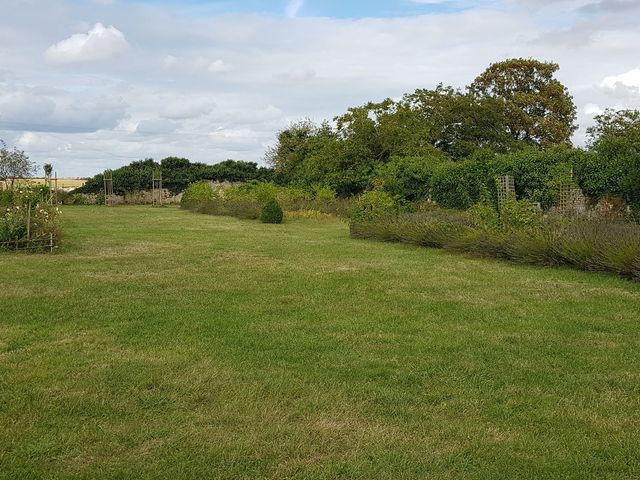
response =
{"points": [[571, 200], [109, 197], [506, 189], [156, 188]]}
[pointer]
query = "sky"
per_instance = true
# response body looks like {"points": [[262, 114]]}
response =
{"points": [[94, 84]]}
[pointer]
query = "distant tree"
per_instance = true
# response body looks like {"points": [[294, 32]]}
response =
{"points": [[538, 108], [48, 169], [14, 165], [177, 175]]}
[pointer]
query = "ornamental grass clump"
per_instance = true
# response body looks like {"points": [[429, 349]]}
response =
{"points": [[519, 233]]}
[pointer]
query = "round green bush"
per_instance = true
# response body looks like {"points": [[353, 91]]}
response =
{"points": [[271, 212]]}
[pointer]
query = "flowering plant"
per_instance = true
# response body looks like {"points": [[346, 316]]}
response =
{"points": [[29, 218]]}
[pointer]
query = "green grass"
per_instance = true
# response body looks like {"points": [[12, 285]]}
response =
{"points": [[164, 344]]}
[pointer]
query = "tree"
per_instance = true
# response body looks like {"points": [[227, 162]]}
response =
{"points": [[14, 165], [458, 123], [620, 125], [177, 175], [538, 108], [48, 169], [409, 178], [292, 147], [614, 166]]}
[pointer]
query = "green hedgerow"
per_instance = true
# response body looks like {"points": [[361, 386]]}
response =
{"points": [[271, 212]]}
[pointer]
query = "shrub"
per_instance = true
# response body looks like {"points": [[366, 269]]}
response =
{"points": [[371, 205], [485, 215], [27, 219], [198, 192], [409, 178], [516, 214], [588, 244], [271, 212], [324, 194], [7, 197]]}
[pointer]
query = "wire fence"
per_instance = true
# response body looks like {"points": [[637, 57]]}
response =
{"points": [[46, 244]]}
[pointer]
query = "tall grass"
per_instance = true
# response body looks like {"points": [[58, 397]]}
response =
{"points": [[585, 243]]}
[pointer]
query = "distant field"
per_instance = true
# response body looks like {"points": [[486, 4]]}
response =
{"points": [[163, 344], [63, 183]]}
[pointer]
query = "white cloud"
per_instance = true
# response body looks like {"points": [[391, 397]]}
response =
{"points": [[54, 110], [184, 107], [297, 76], [624, 85], [592, 109], [245, 76], [156, 126], [99, 43], [293, 8], [218, 66]]}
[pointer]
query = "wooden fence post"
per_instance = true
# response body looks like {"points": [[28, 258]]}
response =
{"points": [[29, 222]]}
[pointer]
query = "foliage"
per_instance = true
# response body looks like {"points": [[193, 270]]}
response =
{"points": [[613, 167], [409, 178], [519, 214], [48, 169], [199, 192], [485, 214], [7, 198], [14, 165], [324, 194], [177, 175], [373, 204], [538, 108], [520, 234], [538, 176], [243, 209], [460, 185], [28, 218], [454, 122], [271, 212]]}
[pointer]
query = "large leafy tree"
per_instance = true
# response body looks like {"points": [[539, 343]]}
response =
{"points": [[538, 108], [458, 123]]}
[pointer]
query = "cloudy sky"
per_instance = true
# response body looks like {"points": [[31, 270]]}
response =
{"points": [[91, 84]]}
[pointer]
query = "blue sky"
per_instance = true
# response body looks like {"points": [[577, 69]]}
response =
{"points": [[328, 8]]}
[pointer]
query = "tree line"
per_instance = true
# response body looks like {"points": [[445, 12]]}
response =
{"points": [[448, 144], [177, 175]]}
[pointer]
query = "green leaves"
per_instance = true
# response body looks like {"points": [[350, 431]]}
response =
{"points": [[539, 109]]}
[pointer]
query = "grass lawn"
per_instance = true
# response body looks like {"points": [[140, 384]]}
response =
{"points": [[164, 344]]}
